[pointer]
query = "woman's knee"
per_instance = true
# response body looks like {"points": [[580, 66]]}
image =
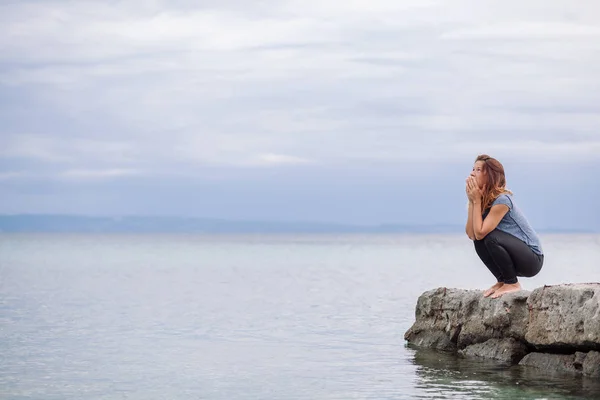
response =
{"points": [[491, 238]]}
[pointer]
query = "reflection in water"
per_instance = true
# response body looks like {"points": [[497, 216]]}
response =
{"points": [[448, 376]]}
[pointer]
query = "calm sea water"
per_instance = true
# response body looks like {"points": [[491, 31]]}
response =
{"points": [[252, 317]]}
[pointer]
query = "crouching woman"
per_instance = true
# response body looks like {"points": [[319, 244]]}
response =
{"points": [[504, 240]]}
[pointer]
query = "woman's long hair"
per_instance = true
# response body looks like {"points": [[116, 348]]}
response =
{"points": [[496, 180]]}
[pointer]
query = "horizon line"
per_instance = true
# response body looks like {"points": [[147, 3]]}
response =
{"points": [[227, 225]]}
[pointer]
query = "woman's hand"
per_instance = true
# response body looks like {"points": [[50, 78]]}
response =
{"points": [[473, 192], [467, 187]]}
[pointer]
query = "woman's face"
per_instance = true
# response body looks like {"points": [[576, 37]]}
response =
{"points": [[479, 174]]}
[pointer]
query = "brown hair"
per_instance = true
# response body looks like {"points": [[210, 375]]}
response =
{"points": [[496, 180]]}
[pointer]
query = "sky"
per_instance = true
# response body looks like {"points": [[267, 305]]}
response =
{"points": [[361, 111]]}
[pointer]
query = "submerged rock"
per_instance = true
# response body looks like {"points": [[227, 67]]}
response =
{"points": [[560, 324], [578, 363], [556, 362], [507, 350], [591, 364]]}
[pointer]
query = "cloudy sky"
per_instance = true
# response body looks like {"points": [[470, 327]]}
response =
{"points": [[357, 111]]}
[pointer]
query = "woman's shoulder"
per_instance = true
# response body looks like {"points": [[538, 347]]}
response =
{"points": [[504, 198], [506, 195]]}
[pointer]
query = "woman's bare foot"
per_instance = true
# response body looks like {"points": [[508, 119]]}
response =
{"points": [[491, 290], [507, 288]]}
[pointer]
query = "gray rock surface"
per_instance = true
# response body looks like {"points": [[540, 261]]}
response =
{"points": [[565, 317], [579, 363], [561, 323], [591, 364], [507, 350], [465, 317], [547, 361]]}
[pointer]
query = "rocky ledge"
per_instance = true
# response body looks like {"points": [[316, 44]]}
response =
{"points": [[552, 327]]}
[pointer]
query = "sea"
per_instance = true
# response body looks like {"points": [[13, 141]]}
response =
{"points": [[231, 317]]}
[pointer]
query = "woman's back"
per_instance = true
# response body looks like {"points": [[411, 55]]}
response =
{"points": [[515, 223]]}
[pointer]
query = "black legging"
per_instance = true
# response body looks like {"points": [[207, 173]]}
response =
{"points": [[507, 256]]}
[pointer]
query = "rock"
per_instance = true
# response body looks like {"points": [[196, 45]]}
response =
{"points": [[432, 340], [579, 359], [506, 350], [565, 317], [452, 319], [547, 361], [579, 363], [495, 318], [561, 323], [591, 364]]}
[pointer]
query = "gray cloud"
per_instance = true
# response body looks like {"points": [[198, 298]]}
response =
{"points": [[104, 90]]}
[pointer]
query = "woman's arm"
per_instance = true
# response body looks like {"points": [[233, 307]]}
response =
{"points": [[482, 227], [469, 227]]}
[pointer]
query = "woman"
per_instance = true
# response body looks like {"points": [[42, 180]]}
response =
{"points": [[504, 239]]}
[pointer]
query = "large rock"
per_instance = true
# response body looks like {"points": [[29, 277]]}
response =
{"points": [[553, 362], [451, 319], [565, 317], [591, 364], [561, 323], [506, 350], [578, 363]]}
